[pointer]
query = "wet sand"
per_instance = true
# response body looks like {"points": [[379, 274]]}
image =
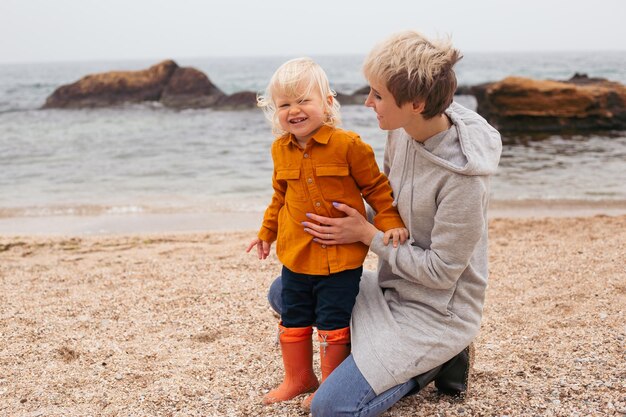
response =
{"points": [[222, 220], [177, 324]]}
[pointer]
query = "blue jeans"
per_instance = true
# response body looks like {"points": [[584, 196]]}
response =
{"points": [[326, 300], [346, 392]]}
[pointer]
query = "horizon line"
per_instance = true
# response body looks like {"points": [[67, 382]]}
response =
{"points": [[286, 55]]}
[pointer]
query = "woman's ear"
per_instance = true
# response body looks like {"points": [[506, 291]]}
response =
{"points": [[419, 106]]}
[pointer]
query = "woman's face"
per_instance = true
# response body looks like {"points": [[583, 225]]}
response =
{"points": [[389, 115]]}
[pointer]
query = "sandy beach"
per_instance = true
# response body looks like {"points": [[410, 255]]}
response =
{"points": [[177, 324]]}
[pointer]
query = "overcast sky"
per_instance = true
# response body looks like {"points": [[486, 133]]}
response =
{"points": [[70, 30]]}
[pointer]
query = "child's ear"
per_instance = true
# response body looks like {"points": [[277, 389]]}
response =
{"points": [[330, 100], [419, 106]]}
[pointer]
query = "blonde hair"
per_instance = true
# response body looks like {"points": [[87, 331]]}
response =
{"points": [[297, 78], [414, 68]]}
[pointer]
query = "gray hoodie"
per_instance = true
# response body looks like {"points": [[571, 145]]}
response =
{"points": [[424, 303]]}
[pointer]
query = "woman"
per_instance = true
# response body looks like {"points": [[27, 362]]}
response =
{"points": [[416, 315]]}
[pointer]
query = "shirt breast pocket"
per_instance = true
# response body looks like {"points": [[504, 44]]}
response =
{"points": [[295, 191], [332, 180]]}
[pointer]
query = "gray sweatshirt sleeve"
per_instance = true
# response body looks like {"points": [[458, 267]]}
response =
{"points": [[459, 224]]}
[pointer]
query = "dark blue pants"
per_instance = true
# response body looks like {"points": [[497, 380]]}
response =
{"points": [[325, 300]]}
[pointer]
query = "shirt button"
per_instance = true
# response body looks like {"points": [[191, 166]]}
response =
{"points": [[306, 155], [323, 246], [317, 204], [309, 180]]}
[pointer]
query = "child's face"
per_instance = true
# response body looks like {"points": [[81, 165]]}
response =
{"points": [[389, 115], [301, 114]]}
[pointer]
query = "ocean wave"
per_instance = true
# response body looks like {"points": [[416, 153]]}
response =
{"points": [[16, 109], [78, 210], [232, 204]]}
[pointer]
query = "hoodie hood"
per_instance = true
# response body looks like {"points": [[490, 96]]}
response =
{"points": [[470, 147]]}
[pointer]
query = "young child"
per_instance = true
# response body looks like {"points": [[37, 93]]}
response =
{"points": [[316, 165]]}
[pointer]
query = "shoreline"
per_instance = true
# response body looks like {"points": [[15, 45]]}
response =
{"points": [[141, 223]]}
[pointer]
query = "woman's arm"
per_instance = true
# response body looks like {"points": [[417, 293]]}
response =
{"points": [[459, 225]]}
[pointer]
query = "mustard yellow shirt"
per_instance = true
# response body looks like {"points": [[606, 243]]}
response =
{"points": [[336, 165]]}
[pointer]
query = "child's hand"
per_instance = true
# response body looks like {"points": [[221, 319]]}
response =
{"points": [[400, 234], [262, 247]]}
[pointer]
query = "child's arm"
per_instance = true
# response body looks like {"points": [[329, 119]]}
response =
{"points": [[262, 247], [269, 228], [376, 190], [396, 235]]}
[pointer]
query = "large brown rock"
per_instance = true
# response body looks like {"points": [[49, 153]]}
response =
{"points": [[523, 104], [190, 88], [116, 87], [165, 82], [237, 101]]}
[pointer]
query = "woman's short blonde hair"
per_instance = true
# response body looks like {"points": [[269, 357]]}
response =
{"points": [[298, 78], [415, 69]]}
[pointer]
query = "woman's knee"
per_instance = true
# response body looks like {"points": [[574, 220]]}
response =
{"points": [[335, 402], [274, 295], [324, 404], [343, 393]]}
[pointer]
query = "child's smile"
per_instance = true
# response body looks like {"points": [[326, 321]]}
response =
{"points": [[297, 120], [301, 115]]}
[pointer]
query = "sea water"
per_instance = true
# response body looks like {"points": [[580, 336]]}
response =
{"points": [[148, 158]]}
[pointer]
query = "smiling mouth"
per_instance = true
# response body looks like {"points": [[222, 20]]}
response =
{"points": [[297, 120]]}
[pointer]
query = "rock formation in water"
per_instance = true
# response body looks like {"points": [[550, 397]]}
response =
{"points": [[237, 101], [190, 88], [115, 87], [581, 103], [513, 104], [165, 82]]}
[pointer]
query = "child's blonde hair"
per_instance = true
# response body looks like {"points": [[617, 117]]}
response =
{"points": [[413, 68], [297, 78]]}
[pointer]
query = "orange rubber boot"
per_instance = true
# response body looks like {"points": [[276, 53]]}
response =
{"points": [[297, 349], [334, 348]]}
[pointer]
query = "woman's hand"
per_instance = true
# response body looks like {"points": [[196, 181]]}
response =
{"points": [[335, 231], [262, 247]]}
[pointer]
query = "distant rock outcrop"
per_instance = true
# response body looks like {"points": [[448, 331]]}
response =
{"points": [[354, 98], [190, 88], [581, 103], [513, 104], [112, 88], [165, 82], [237, 101]]}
